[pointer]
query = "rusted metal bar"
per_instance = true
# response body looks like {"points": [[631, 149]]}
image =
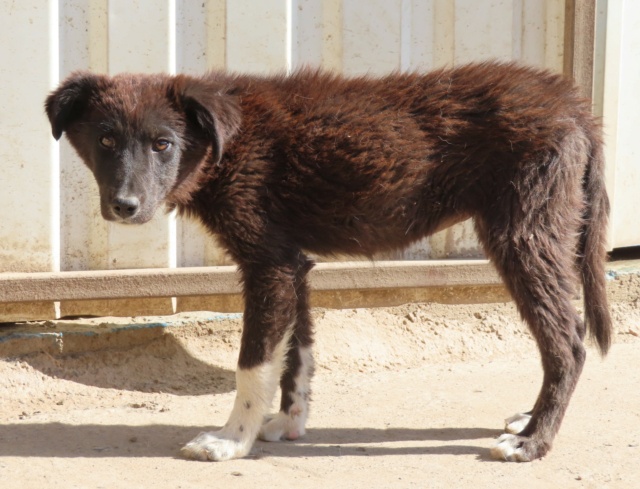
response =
{"points": [[200, 281]]}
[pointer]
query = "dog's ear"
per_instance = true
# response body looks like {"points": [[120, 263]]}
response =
{"points": [[216, 113], [68, 101]]}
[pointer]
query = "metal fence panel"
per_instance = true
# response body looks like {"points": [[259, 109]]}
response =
{"points": [[50, 218]]}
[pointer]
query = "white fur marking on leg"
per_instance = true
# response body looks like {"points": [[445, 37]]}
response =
{"points": [[291, 425], [256, 388], [516, 423], [507, 448]]}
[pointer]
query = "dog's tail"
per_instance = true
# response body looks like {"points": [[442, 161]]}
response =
{"points": [[593, 251]]}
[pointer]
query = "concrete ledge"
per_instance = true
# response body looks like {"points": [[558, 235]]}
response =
{"points": [[207, 281], [61, 338]]}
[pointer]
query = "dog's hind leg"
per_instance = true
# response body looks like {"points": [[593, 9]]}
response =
{"points": [[543, 296], [289, 422], [269, 319], [531, 237]]}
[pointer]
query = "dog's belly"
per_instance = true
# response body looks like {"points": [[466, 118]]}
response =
{"points": [[360, 234]]}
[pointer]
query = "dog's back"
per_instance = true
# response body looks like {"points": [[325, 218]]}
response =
{"points": [[367, 164]]}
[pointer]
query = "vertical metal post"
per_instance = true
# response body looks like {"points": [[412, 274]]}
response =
{"points": [[579, 43]]}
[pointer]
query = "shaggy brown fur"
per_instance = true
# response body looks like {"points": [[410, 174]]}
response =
{"points": [[278, 166]]}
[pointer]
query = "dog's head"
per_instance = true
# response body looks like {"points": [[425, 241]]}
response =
{"points": [[146, 138]]}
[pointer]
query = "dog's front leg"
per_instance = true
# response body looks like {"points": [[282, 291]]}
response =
{"points": [[256, 388], [289, 422], [270, 313]]}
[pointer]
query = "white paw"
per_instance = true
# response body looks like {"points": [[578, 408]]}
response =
{"points": [[216, 446], [508, 447], [283, 426], [516, 423]]}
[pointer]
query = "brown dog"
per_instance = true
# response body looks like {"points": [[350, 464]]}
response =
{"points": [[277, 166]]}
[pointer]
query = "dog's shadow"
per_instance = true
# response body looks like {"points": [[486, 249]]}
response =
{"points": [[164, 441], [182, 374]]}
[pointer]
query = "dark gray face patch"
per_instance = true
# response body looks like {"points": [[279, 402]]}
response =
{"points": [[137, 173]]}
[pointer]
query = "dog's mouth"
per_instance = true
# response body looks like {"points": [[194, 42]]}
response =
{"points": [[133, 220]]}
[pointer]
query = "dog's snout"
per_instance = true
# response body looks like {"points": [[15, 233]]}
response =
{"points": [[125, 207]]}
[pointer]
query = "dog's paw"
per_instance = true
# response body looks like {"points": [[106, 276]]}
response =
{"points": [[509, 447], [516, 423], [283, 426], [514, 448], [216, 446]]}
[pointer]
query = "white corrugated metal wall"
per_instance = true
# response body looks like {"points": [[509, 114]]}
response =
{"points": [[49, 212]]}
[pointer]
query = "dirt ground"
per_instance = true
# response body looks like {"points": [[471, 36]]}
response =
{"points": [[409, 396]]}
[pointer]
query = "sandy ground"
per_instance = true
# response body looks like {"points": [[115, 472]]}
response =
{"points": [[409, 396]]}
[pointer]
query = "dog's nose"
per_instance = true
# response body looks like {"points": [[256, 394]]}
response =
{"points": [[125, 207]]}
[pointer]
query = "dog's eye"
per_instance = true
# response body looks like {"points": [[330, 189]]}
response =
{"points": [[108, 142], [160, 145]]}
